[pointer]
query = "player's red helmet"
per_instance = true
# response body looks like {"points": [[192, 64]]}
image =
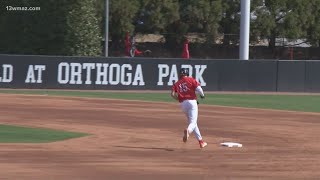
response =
{"points": [[184, 72]]}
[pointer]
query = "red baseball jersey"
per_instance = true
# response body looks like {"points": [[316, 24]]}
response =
{"points": [[186, 87]]}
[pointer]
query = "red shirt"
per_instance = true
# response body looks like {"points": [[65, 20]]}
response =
{"points": [[129, 47], [185, 53], [186, 87], [128, 44]]}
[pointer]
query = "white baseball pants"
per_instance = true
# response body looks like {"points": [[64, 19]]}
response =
{"points": [[190, 108]]}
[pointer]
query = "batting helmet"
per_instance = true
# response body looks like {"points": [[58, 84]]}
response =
{"points": [[184, 72]]}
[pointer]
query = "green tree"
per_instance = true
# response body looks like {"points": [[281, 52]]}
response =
{"points": [[161, 17], [313, 22], [281, 19], [296, 19], [157, 15], [202, 16], [122, 17], [83, 35], [32, 32], [60, 27], [230, 23]]}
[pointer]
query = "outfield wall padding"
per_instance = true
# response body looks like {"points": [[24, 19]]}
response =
{"points": [[291, 76], [312, 76], [98, 73]]}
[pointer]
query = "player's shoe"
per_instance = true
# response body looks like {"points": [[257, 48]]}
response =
{"points": [[186, 135], [202, 144]]}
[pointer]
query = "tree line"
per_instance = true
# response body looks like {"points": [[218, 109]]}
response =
{"points": [[76, 27]]}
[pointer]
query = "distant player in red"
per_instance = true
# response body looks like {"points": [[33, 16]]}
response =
{"points": [[185, 92], [131, 50], [185, 53]]}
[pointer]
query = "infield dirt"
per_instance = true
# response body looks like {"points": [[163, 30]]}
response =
{"points": [[143, 140]]}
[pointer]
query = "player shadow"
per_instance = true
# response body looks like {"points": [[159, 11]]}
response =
{"points": [[150, 148]]}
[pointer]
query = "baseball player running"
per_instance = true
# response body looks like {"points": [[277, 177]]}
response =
{"points": [[184, 90]]}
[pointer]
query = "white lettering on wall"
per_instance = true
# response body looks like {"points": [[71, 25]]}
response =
{"points": [[88, 67], [170, 74], [63, 68], [173, 75], [105, 74], [114, 80], [163, 70], [138, 76], [199, 72], [126, 77], [76, 71], [7, 73], [102, 71], [32, 71]]}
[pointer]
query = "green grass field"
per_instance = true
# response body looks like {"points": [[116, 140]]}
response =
{"points": [[18, 134], [307, 103]]}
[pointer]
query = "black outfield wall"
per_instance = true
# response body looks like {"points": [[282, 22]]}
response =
{"points": [[51, 72]]}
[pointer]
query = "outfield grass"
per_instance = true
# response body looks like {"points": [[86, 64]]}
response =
{"points": [[307, 103], [18, 134]]}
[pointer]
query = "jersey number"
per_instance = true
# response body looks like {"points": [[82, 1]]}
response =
{"points": [[183, 87]]}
